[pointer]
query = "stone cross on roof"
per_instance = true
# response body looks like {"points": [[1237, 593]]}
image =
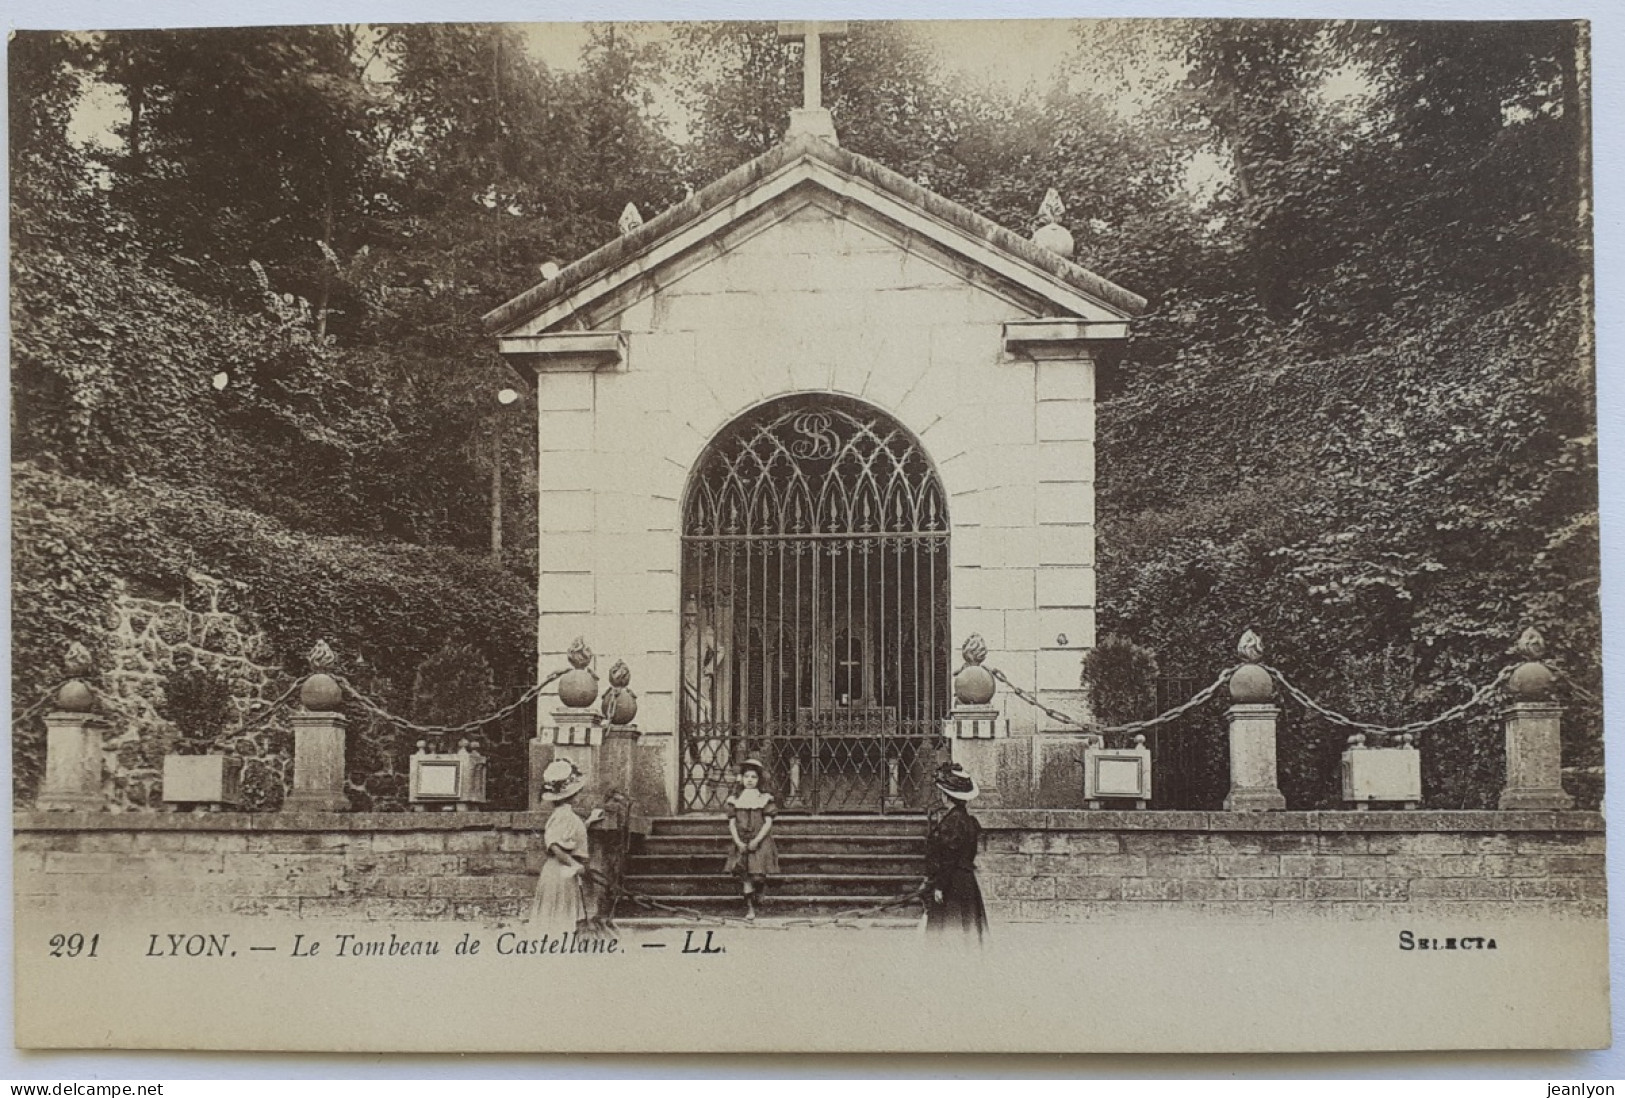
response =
{"points": [[811, 118]]}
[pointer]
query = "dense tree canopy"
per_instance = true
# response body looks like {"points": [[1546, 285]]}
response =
{"points": [[1358, 415]]}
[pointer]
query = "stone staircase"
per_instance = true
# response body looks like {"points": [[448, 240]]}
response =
{"points": [[828, 865]]}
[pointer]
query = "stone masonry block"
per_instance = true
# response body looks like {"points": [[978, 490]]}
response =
{"points": [[412, 842], [1066, 380], [1247, 865], [1469, 888], [1576, 865], [1363, 865], [1436, 866], [436, 865], [1020, 888], [1066, 421], [1435, 844], [568, 431], [1516, 865], [569, 593], [471, 842], [1113, 865], [1164, 842], [1311, 865], [1179, 865], [1153, 888], [1557, 888], [300, 842], [1332, 889], [1060, 587], [564, 510], [1066, 502], [99, 864], [1091, 888], [1072, 544], [1372, 888]]}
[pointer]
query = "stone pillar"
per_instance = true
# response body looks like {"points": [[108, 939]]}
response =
{"points": [[73, 753], [974, 729], [318, 749], [1534, 742], [1063, 352], [574, 732], [1252, 719]]}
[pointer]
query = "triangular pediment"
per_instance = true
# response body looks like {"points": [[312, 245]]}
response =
{"points": [[773, 187]]}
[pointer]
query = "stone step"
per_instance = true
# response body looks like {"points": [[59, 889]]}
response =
{"points": [[798, 861], [773, 908], [875, 886], [789, 842], [792, 824]]}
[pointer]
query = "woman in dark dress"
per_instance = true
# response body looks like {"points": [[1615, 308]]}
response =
{"points": [[953, 898]]}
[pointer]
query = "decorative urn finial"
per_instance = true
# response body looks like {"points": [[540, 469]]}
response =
{"points": [[1051, 235], [974, 685], [320, 692], [75, 695], [1250, 684], [1531, 680], [578, 687], [620, 704]]}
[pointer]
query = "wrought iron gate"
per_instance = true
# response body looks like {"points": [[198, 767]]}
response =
{"points": [[815, 610]]}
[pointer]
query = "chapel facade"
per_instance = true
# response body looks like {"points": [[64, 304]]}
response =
{"points": [[798, 437]]}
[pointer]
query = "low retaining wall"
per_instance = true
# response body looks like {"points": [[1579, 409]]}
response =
{"points": [[1056, 865], [1035, 865]]}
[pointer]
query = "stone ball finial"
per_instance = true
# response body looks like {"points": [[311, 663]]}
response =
{"points": [[77, 662], [578, 687], [75, 696], [974, 685], [620, 704], [1250, 647], [578, 654], [1250, 684], [321, 693], [321, 657], [1051, 235], [1057, 239], [1531, 680]]}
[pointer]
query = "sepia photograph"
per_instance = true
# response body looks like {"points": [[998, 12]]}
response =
{"points": [[841, 536]]}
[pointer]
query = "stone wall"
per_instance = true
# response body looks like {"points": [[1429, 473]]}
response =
{"points": [[1035, 865], [1046, 865]]}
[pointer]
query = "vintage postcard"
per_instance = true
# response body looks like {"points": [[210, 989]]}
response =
{"points": [[1013, 536]]}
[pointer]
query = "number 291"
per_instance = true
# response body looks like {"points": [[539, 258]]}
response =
{"points": [[74, 945]]}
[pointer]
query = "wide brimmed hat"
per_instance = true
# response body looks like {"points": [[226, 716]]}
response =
{"points": [[952, 780], [753, 764], [562, 780]]}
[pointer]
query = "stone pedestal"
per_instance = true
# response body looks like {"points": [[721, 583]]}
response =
{"points": [[1253, 783], [1534, 757], [574, 734], [73, 763], [318, 764]]}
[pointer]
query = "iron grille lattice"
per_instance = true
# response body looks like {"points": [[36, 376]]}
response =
{"points": [[815, 607]]}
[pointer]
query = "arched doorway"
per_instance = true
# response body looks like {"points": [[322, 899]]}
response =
{"points": [[815, 611]]}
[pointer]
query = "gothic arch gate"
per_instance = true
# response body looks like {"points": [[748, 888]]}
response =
{"points": [[815, 610]]}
